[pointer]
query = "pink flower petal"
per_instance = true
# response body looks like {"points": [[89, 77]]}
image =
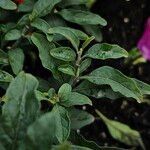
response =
{"points": [[144, 42]]}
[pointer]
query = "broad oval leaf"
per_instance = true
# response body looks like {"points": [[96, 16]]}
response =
{"points": [[63, 53], [106, 51], [67, 33], [75, 98], [21, 107], [62, 123], [64, 90], [82, 17], [16, 59], [12, 35], [43, 7], [40, 24], [5, 77], [122, 132], [79, 118], [67, 69], [8, 5], [85, 64], [116, 80]]}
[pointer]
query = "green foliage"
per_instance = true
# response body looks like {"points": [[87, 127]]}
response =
{"points": [[38, 37]]}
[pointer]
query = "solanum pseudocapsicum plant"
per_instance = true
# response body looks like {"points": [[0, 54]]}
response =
{"points": [[46, 25]]}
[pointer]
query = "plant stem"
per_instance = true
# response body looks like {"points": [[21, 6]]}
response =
{"points": [[78, 62]]}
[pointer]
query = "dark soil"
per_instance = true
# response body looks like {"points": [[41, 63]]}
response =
{"points": [[126, 21]]}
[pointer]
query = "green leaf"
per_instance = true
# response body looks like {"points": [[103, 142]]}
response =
{"points": [[116, 80], [85, 64], [26, 6], [3, 58], [8, 5], [79, 118], [75, 98], [64, 146], [62, 123], [106, 51], [5, 77], [80, 140], [82, 17], [94, 30], [63, 53], [81, 35], [144, 87], [41, 24], [16, 59], [22, 107], [67, 69], [41, 133], [96, 91], [42, 8], [44, 47], [24, 20], [87, 42], [13, 35], [64, 90], [122, 132], [67, 33]]}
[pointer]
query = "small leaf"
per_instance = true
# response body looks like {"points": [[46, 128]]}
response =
{"points": [[5, 77], [41, 24], [122, 132], [67, 33], [94, 30], [79, 118], [106, 51], [87, 42], [62, 123], [42, 8], [63, 53], [85, 64], [116, 80], [16, 59], [75, 98], [43, 131], [82, 17], [8, 5], [67, 69], [3, 58], [64, 90], [12, 35]]}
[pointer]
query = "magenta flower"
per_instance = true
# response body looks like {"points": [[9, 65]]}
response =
{"points": [[144, 42]]}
